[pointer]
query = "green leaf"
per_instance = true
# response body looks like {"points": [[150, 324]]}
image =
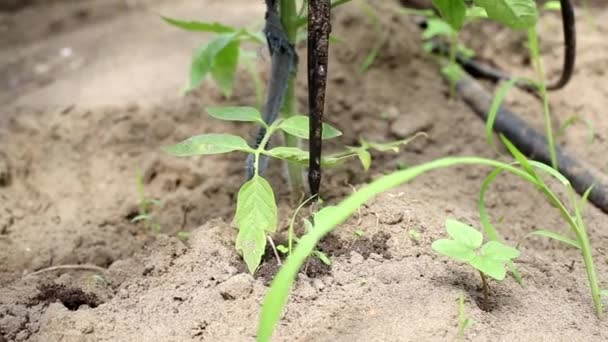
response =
{"points": [[199, 26], [224, 67], [206, 144], [556, 236], [364, 156], [464, 234], [521, 158], [246, 114], [604, 293], [453, 72], [502, 92], [256, 216], [292, 154], [493, 268], [476, 12], [437, 27], [297, 125], [205, 56], [454, 250], [323, 257], [393, 145], [498, 251], [516, 14], [452, 11], [552, 5], [494, 256]]}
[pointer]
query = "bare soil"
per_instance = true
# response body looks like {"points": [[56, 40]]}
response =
{"points": [[89, 92]]}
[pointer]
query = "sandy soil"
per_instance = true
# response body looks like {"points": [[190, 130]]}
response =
{"points": [[89, 91]]}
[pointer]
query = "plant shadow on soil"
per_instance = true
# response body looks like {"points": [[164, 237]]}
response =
{"points": [[67, 188]]}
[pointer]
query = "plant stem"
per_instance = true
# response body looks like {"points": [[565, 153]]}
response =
{"points": [[261, 148], [486, 296], [542, 87], [289, 16], [274, 249], [453, 51], [596, 292]]}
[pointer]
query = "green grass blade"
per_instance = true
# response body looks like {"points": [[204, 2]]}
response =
{"points": [[557, 237], [502, 92], [277, 294]]}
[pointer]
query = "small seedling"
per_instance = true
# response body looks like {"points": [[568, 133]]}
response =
{"points": [[490, 259], [184, 236], [414, 235], [463, 320], [144, 206]]}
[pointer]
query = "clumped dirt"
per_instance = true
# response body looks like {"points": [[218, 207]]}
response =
{"points": [[71, 298], [87, 101]]}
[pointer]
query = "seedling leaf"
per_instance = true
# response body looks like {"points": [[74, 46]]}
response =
{"points": [[437, 27], [205, 57], [207, 144], [297, 125], [199, 26], [364, 156], [493, 268], [465, 234], [256, 215], [224, 67], [454, 250], [246, 114], [552, 5], [516, 14], [292, 154], [323, 257], [452, 11], [499, 251]]}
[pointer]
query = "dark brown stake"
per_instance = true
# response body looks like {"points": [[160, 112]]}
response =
{"points": [[319, 27]]}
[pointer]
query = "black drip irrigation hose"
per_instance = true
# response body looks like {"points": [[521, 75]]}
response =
{"points": [[534, 144], [319, 27], [569, 28], [284, 61], [531, 142]]}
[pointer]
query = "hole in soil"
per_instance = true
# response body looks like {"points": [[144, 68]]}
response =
{"points": [[132, 214], [72, 298]]}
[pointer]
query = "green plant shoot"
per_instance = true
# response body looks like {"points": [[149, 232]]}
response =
{"points": [[466, 246]]}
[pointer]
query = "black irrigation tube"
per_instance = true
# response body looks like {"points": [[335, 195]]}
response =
{"points": [[569, 28], [534, 144], [319, 27], [284, 61], [531, 142]]}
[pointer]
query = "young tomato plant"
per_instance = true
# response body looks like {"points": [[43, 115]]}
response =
{"points": [[466, 246], [256, 213], [221, 55]]}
